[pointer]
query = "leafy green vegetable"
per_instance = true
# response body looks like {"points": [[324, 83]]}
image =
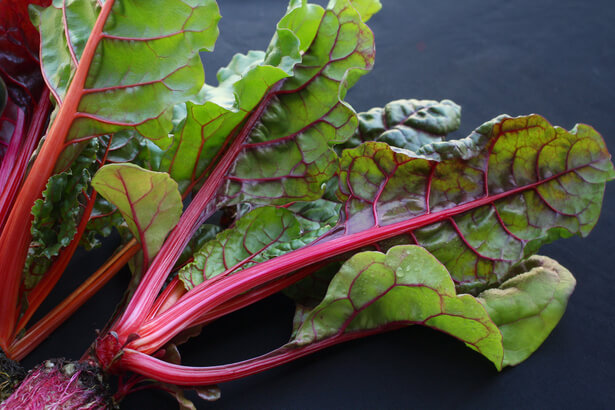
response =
{"points": [[407, 124], [150, 209], [488, 200], [527, 307], [262, 234], [139, 57], [406, 286], [306, 188], [203, 126], [57, 215], [315, 56]]}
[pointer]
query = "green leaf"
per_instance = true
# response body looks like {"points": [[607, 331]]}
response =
{"points": [[527, 307], [367, 8], [288, 155], [149, 202], [309, 291], [374, 291], [211, 119], [145, 61], [261, 234], [483, 203], [123, 146], [57, 215], [407, 124]]}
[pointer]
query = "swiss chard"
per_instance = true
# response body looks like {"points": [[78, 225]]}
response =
{"points": [[370, 222]]}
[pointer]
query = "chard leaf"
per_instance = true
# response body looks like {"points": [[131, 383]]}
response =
{"points": [[376, 292], [103, 220], [527, 307], [57, 215], [130, 146], [149, 202], [21, 89], [124, 146], [407, 124], [282, 135], [204, 125], [366, 8], [483, 203], [144, 61], [287, 156], [261, 234]]}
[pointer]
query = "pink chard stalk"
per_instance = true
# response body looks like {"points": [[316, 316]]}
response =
{"points": [[370, 221]]}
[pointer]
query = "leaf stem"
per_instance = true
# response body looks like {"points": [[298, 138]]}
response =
{"points": [[52, 276], [37, 333], [200, 209], [17, 229], [203, 376], [207, 296]]}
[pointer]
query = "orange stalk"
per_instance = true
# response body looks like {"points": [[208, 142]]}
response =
{"points": [[44, 287], [16, 236], [35, 335]]}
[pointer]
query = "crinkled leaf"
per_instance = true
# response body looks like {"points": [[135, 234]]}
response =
{"points": [[149, 202], [130, 146], [309, 291], [483, 203], [374, 291], [407, 124], [527, 307], [57, 215], [103, 220], [145, 61], [261, 234]]}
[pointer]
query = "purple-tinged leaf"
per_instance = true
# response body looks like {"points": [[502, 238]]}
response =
{"points": [[392, 196], [204, 126], [483, 203], [314, 57], [19, 44]]}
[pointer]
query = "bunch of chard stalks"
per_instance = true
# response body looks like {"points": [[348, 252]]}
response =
{"points": [[370, 221]]}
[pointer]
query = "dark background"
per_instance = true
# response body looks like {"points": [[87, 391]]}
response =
{"points": [[555, 58]]}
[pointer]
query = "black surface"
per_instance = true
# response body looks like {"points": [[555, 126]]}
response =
{"points": [[555, 58]]}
